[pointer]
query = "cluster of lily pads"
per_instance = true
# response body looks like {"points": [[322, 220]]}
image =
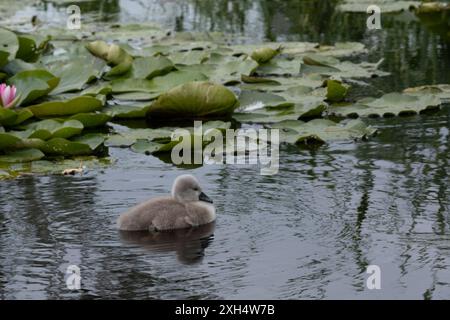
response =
{"points": [[69, 92]]}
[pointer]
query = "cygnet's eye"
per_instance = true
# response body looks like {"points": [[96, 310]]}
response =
{"points": [[195, 189]]}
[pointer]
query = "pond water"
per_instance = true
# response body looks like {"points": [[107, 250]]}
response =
{"points": [[308, 232]]}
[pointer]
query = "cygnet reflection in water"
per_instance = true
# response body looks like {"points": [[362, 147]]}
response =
{"points": [[189, 244]]}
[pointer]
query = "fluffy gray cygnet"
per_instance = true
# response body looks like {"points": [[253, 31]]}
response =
{"points": [[187, 207]]}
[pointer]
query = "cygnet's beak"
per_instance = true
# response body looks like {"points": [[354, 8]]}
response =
{"points": [[205, 198]]}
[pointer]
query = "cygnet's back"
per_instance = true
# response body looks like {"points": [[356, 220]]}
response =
{"points": [[187, 207]]}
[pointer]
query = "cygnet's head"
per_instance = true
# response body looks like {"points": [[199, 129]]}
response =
{"points": [[186, 189]]}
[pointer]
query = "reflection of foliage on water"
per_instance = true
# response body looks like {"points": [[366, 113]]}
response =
{"points": [[223, 15], [102, 10]]}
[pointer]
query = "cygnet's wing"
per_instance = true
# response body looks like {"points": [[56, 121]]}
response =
{"points": [[161, 213]]}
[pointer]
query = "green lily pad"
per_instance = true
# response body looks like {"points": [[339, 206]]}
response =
{"points": [[136, 110], [391, 104], [3, 60], [82, 104], [135, 96], [188, 57], [8, 140], [8, 43], [321, 131], [194, 99], [157, 84], [76, 73], [47, 129], [150, 67], [114, 55], [330, 66], [31, 47], [336, 92], [85, 145], [21, 156], [33, 84], [10, 117], [128, 138], [441, 91], [264, 55], [92, 119]]}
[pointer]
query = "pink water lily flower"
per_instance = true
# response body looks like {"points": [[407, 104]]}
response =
{"points": [[7, 96]]}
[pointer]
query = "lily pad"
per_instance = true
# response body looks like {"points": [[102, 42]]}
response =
{"points": [[336, 92], [441, 91], [136, 110], [194, 99], [330, 66], [33, 84], [150, 67], [8, 43], [31, 47], [82, 104], [10, 117], [47, 129], [76, 73], [114, 55], [264, 55], [85, 145], [157, 84], [20, 156], [322, 131], [391, 104], [92, 119], [8, 140]]}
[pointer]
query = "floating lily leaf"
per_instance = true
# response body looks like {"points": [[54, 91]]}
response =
{"points": [[103, 88], [20, 156], [76, 73], [33, 84], [264, 55], [10, 117], [333, 67], [136, 96], [254, 100], [280, 84], [227, 72], [280, 66], [157, 84], [151, 147], [321, 131], [83, 104], [128, 138], [8, 44], [137, 110], [8, 140], [47, 129], [7, 116], [92, 120], [189, 57], [31, 47], [294, 103], [85, 145], [336, 92], [52, 167], [441, 91], [113, 54], [3, 59], [194, 99], [254, 117], [150, 67], [342, 49], [392, 104]]}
